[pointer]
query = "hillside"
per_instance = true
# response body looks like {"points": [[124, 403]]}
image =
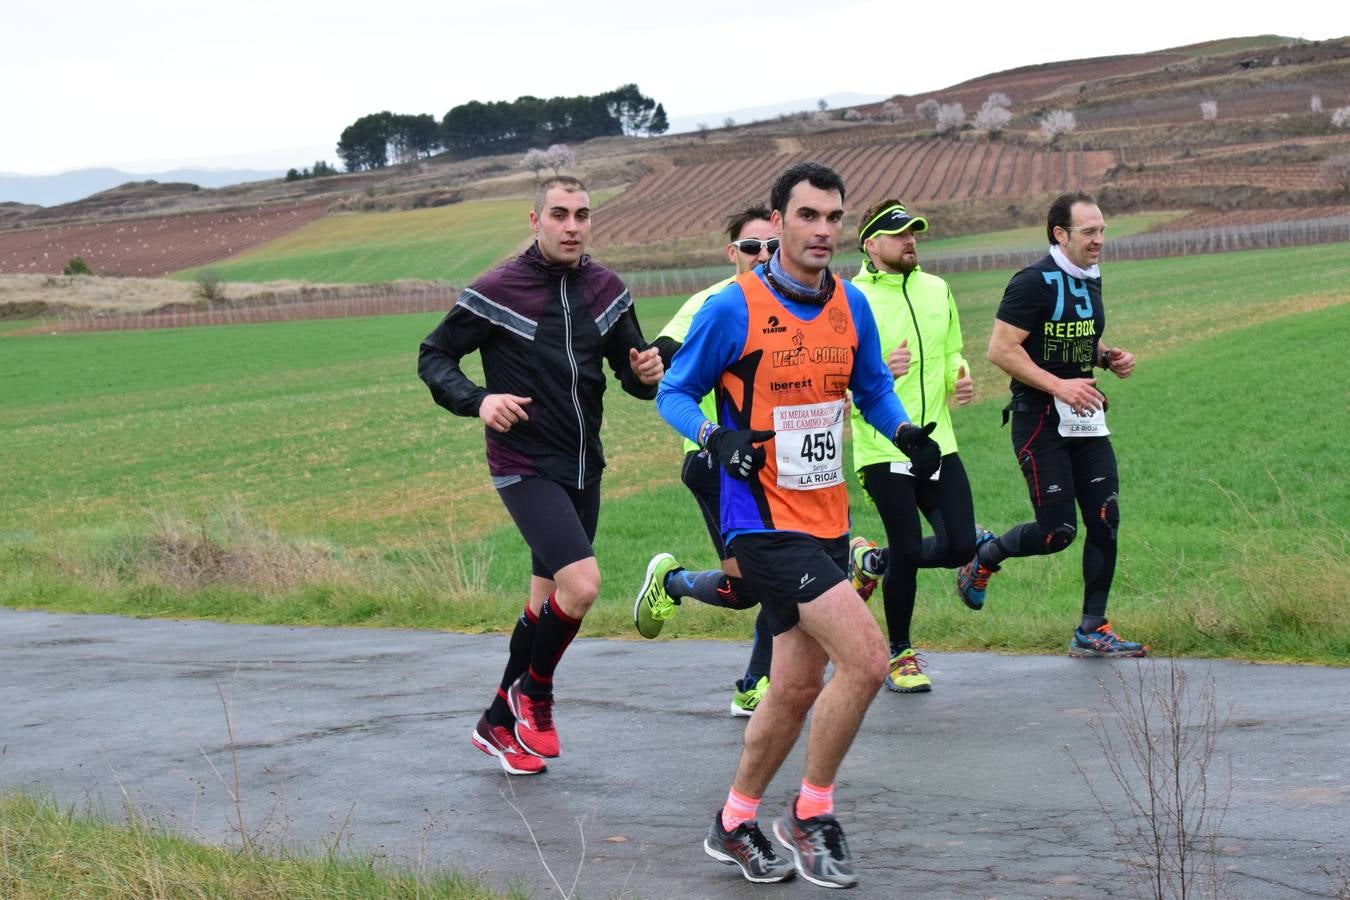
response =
{"points": [[1140, 144]]}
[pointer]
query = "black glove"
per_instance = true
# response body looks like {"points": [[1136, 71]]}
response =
{"points": [[736, 452], [924, 453]]}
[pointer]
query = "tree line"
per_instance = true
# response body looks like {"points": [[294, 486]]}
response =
{"points": [[476, 128]]}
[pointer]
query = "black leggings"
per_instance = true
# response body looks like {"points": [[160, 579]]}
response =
{"points": [[1061, 473], [947, 505]]}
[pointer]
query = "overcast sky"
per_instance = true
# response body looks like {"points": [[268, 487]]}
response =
{"points": [[147, 85]]}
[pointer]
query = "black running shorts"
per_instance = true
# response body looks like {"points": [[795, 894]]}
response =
{"points": [[786, 568]]}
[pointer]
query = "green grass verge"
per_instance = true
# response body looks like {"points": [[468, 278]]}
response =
{"points": [[47, 851], [299, 472], [449, 243]]}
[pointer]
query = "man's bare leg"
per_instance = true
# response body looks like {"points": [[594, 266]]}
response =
{"points": [[840, 623]]}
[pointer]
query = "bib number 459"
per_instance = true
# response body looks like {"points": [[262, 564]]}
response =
{"points": [[818, 447]]}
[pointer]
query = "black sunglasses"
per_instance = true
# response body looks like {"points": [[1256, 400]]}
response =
{"points": [[751, 246]]}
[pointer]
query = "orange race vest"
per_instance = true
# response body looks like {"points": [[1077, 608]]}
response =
{"points": [[791, 378]]}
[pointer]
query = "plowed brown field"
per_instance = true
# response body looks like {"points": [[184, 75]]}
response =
{"points": [[152, 247], [689, 200]]}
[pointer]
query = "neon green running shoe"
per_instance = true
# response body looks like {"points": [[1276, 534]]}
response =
{"points": [[906, 675], [745, 702], [653, 605], [863, 579]]}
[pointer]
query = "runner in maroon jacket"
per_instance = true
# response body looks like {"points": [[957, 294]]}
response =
{"points": [[544, 324]]}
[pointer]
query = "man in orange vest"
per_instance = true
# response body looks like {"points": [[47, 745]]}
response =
{"points": [[781, 345]]}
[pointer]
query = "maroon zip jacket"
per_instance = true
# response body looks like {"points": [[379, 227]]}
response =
{"points": [[542, 330]]}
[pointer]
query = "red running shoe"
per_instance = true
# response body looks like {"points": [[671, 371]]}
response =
{"points": [[534, 721], [498, 741]]}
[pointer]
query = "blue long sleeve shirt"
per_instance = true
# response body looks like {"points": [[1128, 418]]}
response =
{"points": [[717, 336]]}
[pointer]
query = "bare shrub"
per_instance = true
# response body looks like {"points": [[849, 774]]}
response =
{"points": [[728, 122], [1000, 99], [950, 118], [1209, 110], [1335, 171], [1055, 123], [1158, 740], [852, 115], [1340, 117], [1315, 103], [928, 109], [210, 287]]}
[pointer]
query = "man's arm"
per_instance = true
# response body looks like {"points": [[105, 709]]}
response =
{"points": [[458, 334], [714, 341], [640, 376], [1006, 352]]}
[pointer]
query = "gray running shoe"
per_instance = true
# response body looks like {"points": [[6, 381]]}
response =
{"points": [[818, 848], [747, 847]]}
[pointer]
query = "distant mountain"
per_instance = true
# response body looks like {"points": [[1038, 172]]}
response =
{"points": [[51, 190], [750, 114]]}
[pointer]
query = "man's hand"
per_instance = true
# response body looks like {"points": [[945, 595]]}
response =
{"points": [[500, 411], [898, 361], [964, 388], [736, 452], [1120, 362], [1080, 394], [646, 365], [924, 453]]}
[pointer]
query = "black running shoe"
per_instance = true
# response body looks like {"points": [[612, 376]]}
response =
{"points": [[818, 848], [748, 848]]}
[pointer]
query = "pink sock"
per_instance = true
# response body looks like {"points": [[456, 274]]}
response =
{"points": [[739, 808], [815, 801]]}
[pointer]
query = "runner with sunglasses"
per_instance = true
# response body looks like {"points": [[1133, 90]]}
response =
{"points": [[1048, 336], [751, 240], [921, 342]]}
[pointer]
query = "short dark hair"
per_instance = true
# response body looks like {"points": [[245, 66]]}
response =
{"points": [[1061, 212], [737, 221], [566, 182], [820, 177]]}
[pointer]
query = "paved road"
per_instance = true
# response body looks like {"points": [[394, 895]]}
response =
{"points": [[360, 737]]}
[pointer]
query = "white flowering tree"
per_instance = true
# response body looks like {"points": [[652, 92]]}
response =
{"points": [[1209, 110], [1055, 123], [535, 160], [992, 117], [891, 111], [928, 109], [560, 157], [1340, 117], [1335, 171], [1315, 103], [950, 118]]}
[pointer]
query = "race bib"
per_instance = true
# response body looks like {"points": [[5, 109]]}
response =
{"points": [[809, 444], [906, 467], [1073, 425]]}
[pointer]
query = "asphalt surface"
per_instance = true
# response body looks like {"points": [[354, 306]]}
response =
{"points": [[358, 739]]}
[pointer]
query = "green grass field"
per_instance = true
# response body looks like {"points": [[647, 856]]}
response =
{"points": [[299, 472], [363, 248], [50, 852]]}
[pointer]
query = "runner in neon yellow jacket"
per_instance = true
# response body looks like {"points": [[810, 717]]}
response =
{"points": [[920, 333]]}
